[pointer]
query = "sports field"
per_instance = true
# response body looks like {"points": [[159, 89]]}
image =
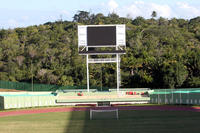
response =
{"points": [[130, 121]]}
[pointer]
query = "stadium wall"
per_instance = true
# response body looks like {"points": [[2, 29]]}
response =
{"points": [[176, 96], [23, 100]]}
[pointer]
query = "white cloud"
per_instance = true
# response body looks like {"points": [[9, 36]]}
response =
{"points": [[65, 12], [187, 11], [112, 5], [25, 18], [139, 8], [162, 10], [145, 9], [12, 23], [49, 18], [133, 10]]}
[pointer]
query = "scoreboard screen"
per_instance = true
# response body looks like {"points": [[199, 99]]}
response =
{"points": [[97, 36]]}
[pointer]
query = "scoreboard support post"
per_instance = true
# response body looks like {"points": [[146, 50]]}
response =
{"points": [[118, 70], [88, 76]]}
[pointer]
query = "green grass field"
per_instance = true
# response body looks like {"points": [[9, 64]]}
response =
{"points": [[78, 122]]}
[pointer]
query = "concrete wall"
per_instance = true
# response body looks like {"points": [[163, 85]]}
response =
{"points": [[176, 98], [10, 100]]}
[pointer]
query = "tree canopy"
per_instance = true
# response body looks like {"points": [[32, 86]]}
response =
{"points": [[160, 53]]}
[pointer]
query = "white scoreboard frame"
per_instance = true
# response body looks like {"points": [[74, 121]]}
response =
{"points": [[120, 35]]}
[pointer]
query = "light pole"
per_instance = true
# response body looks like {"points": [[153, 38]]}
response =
{"points": [[101, 76], [31, 75]]}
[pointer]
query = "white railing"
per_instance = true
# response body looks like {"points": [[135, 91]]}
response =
{"points": [[103, 60]]}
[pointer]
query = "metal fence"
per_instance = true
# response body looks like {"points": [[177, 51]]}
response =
{"points": [[41, 87]]}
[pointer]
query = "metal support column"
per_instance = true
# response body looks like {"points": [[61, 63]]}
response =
{"points": [[117, 72], [88, 81]]}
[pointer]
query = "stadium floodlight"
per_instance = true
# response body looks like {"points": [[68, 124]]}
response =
{"points": [[104, 114]]}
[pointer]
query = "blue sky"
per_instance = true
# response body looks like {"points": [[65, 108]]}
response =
{"points": [[22, 13]]}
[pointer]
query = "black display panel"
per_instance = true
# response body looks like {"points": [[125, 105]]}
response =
{"points": [[101, 36]]}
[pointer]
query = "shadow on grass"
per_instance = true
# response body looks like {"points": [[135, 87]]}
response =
{"points": [[77, 121], [179, 119], [80, 123]]}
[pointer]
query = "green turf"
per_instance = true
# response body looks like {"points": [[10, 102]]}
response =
{"points": [[78, 122]]}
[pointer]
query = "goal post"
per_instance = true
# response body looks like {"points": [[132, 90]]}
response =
{"points": [[104, 114]]}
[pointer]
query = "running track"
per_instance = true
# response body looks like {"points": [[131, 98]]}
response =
{"points": [[68, 109]]}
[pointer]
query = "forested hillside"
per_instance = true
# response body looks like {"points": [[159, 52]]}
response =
{"points": [[161, 53]]}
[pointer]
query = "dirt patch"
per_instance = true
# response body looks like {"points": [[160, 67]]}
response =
{"points": [[10, 90]]}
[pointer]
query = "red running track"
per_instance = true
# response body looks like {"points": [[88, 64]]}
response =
{"points": [[69, 109]]}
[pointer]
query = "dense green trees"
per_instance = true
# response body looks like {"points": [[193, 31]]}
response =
{"points": [[161, 53]]}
